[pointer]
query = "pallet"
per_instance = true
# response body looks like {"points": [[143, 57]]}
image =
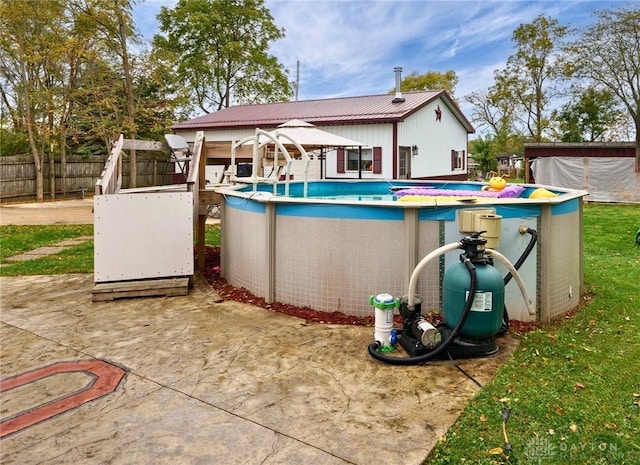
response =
{"points": [[144, 288]]}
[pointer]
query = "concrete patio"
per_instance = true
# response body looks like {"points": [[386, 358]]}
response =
{"points": [[206, 381]]}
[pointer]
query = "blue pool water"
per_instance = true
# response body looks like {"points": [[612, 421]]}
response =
{"points": [[367, 191]]}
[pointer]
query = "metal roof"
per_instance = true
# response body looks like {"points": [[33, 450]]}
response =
{"points": [[346, 110]]}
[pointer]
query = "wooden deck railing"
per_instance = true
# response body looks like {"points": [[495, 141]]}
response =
{"points": [[110, 180]]}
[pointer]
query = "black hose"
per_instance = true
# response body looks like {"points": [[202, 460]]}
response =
{"points": [[525, 254], [435, 352]]}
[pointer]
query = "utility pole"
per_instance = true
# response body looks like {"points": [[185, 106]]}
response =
{"points": [[297, 78]]}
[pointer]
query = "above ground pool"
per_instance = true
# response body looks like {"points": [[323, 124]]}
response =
{"points": [[348, 240]]}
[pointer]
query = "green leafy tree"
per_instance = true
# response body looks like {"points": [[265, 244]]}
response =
{"points": [[112, 23], [431, 80], [608, 55], [218, 51], [530, 77], [48, 56], [589, 117], [13, 143], [31, 47], [480, 150]]}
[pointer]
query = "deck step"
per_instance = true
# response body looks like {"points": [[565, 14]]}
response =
{"points": [[143, 288]]}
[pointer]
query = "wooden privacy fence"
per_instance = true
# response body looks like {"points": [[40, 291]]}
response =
{"points": [[18, 175]]}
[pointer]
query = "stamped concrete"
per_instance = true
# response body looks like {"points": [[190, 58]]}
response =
{"points": [[220, 383], [211, 382]]}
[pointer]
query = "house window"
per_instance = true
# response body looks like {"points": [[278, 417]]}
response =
{"points": [[366, 162], [458, 160], [347, 160]]}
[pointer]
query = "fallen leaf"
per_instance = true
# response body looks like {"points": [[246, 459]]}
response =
{"points": [[551, 431], [578, 386], [573, 427], [483, 418], [496, 451]]}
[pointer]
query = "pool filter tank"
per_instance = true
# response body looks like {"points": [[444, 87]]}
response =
{"points": [[485, 316], [473, 309]]}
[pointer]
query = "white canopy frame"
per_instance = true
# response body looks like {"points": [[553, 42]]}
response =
{"points": [[295, 132], [270, 137]]}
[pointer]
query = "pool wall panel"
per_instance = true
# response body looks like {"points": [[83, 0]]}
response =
{"points": [[244, 240], [332, 256], [429, 282], [336, 264], [561, 260]]}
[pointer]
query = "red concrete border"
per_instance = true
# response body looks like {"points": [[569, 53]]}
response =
{"points": [[106, 378]]}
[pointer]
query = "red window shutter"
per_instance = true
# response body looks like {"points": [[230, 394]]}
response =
{"points": [[340, 160], [377, 160]]}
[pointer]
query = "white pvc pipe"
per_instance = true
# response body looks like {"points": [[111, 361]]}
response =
{"points": [[505, 261], [413, 281]]}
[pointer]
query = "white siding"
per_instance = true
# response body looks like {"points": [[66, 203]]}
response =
{"points": [[371, 135], [435, 140]]}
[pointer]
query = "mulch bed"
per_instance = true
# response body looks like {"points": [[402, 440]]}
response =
{"points": [[211, 273], [226, 291]]}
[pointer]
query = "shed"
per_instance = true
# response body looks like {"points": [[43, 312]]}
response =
{"points": [[607, 170], [414, 135]]}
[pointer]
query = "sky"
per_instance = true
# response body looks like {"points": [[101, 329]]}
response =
{"points": [[349, 48]]}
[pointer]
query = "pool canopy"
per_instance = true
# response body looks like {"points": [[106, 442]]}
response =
{"points": [[307, 135], [294, 133]]}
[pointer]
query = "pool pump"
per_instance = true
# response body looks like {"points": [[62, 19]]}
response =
{"points": [[473, 309]]}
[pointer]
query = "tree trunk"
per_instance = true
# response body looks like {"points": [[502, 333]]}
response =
{"points": [[63, 161], [638, 144], [52, 158], [52, 172], [30, 123], [133, 169], [37, 160]]}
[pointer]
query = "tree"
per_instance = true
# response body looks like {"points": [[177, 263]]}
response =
{"points": [[608, 54], [529, 78], [431, 80], [495, 111], [589, 117], [218, 51], [31, 44], [480, 150], [113, 24]]}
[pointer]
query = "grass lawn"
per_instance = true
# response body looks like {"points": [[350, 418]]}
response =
{"points": [[76, 259], [572, 387]]}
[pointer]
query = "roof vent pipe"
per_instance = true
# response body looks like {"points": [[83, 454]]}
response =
{"points": [[398, 98]]}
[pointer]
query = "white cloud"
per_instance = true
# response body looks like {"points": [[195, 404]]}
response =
{"points": [[348, 48]]}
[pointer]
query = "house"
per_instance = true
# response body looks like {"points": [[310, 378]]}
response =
{"points": [[414, 135], [509, 165]]}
